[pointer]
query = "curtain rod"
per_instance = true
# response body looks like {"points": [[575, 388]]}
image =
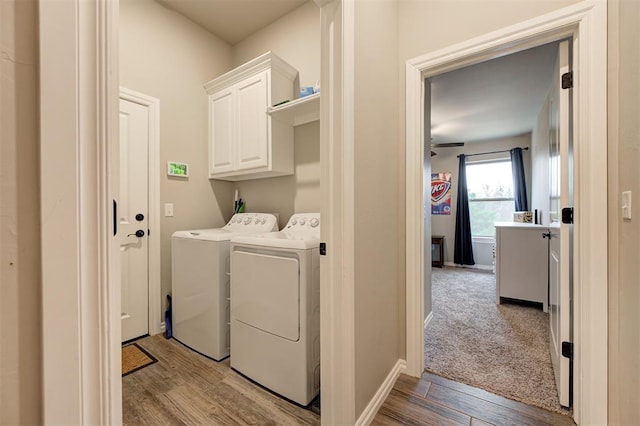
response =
{"points": [[526, 148]]}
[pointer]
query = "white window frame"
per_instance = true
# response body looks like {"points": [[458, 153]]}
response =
{"points": [[480, 200]]}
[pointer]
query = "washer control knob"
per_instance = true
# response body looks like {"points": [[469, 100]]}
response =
{"points": [[247, 220], [294, 222], [256, 220], [314, 222], [263, 221], [302, 222]]}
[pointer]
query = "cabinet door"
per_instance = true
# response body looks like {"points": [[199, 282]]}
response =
{"points": [[252, 149], [221, 131]]}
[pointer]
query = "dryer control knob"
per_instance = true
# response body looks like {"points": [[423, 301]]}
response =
{"points": [[314, 222], [294, 222], [256, 220], [302, 222], [263, 221], [247, 220]]}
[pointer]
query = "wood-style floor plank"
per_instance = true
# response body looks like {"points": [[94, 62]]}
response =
{"points": [[431, 400], [412, 385], [186, 388], [479, 408], [536, 412], [412, 410]]}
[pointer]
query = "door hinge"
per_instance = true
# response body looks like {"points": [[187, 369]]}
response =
{"points": [[567, 215], [567, 80], [323, 249], [567, 350]]}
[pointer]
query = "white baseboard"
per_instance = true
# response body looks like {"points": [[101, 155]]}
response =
{"points": [[428, 319], [381, 395], [481, 267]]}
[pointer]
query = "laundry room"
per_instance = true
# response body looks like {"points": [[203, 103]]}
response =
{"points": [[170, 54]]}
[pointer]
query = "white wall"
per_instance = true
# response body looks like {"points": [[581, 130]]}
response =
{"points": [[624, 175], [447, 161], [376, 196], [20, 282], [540, 163], [295, 38], [164, 55]]}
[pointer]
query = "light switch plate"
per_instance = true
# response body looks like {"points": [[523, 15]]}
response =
{"points": [[168, 210], [626, 205]]}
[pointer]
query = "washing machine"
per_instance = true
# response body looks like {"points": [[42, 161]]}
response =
{"points": [[200, 282], [275, 308]]}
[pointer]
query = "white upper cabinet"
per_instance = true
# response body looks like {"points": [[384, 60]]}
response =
{"points": [[244, 141]]}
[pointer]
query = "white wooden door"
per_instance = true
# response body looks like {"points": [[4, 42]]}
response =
{"points": [[251, 123], [221, 131], [560, 245], [133, 217]]}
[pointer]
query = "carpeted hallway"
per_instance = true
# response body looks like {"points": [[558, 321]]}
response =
{"points": [[499, 348]]}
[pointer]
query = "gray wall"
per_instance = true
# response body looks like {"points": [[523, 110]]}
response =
{"points": [[20, 282], [164, 55], [624, 246]]}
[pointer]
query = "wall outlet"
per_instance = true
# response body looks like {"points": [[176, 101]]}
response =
{"points": [[168, 210]]}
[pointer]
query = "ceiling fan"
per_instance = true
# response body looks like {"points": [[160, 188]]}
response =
{"points": [[445, 145]]}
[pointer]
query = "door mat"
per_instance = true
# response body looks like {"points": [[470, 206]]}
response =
{"points": [[135, 358]]}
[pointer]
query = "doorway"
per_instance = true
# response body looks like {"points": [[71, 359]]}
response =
{"points": [[487, 118], [138, 214], [590, 161]]}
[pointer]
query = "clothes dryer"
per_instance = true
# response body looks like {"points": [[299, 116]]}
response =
{"points": [[200, 282], [275, 308]]}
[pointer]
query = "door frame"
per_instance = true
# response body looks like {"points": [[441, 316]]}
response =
{"points": [[337, 185], [155, 324], [81, 360], [79, 110], [586, 22]]}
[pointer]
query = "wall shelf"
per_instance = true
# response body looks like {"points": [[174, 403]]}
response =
{"points": [[299, 111]]}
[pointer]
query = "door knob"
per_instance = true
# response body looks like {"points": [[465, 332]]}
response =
{"points": [[139, 217], [139, 233]]}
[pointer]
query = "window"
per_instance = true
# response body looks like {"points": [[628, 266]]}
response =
{"points": [[490, 186]]}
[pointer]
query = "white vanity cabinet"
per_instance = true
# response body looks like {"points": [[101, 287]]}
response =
{"points": [[244, 141], [521, 262]]}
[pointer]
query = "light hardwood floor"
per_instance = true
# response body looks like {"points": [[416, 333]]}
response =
{"points": [[434, 400], [185, 388]]}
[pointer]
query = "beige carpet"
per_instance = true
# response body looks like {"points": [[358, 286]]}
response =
{"points": [[499, 348]]}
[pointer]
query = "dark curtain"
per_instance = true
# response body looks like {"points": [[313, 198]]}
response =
{"points": [[519, 182], [463, 250]]}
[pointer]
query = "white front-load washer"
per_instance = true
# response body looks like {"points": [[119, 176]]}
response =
{"points": [[200, 282], [275, 308]]}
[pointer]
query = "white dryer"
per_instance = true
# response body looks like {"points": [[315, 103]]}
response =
{"points": [[200, 282], [275, 308]]}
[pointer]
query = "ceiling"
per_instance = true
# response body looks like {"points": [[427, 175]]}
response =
{"points": [[232, 20], [493, 99]]}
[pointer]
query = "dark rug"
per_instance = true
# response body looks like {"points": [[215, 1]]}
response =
{"points": [[135, 358], [500, 348]]}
